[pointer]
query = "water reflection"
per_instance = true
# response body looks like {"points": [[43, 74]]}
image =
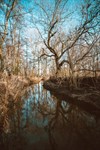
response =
{"points": [[41, 121]]}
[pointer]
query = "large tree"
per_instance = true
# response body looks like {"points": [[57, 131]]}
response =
{"points": [[58, 42]]}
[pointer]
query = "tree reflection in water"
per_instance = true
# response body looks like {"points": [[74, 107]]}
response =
{"points": [[41, 121], [72, 129]]}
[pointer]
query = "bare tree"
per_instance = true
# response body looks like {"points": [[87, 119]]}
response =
{"points": [[57, 43], [7, 9]]}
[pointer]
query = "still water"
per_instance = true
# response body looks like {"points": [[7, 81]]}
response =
{"points": [[40, 121]]}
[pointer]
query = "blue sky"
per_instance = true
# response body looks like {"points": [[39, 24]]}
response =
{"points": [[29, 30], [31, 5], [72, 5]]}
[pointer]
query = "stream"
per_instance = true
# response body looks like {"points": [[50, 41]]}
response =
{"points": [[40, 121]]}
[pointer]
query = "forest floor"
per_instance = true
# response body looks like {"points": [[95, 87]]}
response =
{"points": [[85, 95]]}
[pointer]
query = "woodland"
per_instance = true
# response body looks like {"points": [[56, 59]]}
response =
{"points": [[53, 42]]}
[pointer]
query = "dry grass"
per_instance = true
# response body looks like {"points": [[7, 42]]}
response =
{"points": [[11, 89]]}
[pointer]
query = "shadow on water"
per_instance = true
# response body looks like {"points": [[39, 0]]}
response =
{"points": [[40, 121]]}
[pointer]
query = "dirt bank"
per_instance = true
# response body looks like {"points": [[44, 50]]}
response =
{"points": [[86, 96]]}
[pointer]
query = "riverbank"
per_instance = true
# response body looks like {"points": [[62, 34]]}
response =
{"points": [[15, 84], [86, 95], [12, 89], [39, 120]]}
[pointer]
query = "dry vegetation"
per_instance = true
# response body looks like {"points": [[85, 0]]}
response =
{"points": [[49, 45]]}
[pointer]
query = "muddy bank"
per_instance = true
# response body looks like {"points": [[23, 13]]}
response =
{"points": [[86, 96]]}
